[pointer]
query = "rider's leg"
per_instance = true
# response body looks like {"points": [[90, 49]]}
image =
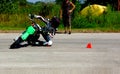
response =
{"points": [[48, 41]]}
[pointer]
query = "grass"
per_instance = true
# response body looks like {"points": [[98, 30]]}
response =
{"points": [[87, 30], [108, 23]]}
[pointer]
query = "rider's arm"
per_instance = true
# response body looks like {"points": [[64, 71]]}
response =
{"points": [[44, 20], [41, 18]]}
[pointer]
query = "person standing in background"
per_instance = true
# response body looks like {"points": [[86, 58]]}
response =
{"points": [[65, 13]]}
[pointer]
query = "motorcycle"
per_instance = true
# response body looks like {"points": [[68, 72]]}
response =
{"points": [[31, 35]]}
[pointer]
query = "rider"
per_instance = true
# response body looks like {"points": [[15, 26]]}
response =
{"points": [[49, 30]]}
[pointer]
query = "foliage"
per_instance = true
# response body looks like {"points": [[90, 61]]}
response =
{"points": [[19, 18], [15, 15], [10, 6], [107, 20]]}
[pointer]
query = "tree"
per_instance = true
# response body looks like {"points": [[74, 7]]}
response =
{"points": [[58, 1], [10, 6], [5, 6]]}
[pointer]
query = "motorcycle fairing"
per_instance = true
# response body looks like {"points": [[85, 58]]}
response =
{"points": [[29, 31]]}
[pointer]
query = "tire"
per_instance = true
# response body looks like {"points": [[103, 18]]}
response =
{"points": [[16, 44]]}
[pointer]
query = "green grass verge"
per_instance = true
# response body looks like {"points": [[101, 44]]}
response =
{"points": [[74, 30]]}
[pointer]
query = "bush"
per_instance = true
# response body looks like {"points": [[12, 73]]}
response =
{"points": [[19, 19], [107, 20]]}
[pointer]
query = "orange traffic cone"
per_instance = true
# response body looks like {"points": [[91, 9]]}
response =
{"points": [[89, 45]]}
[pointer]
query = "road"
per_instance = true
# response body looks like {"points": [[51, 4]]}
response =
{"points": [[68, 55]]}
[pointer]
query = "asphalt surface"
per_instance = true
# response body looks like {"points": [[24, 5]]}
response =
{"points": [[68, 55]]}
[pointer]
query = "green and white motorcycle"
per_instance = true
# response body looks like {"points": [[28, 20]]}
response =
{"points": [[32, 33]]}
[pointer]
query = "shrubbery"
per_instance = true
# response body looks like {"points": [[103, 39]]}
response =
{"points": [[19, 18], [109, 20]]}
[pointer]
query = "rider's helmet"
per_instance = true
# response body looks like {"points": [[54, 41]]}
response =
{"points": [[55, 21]]}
